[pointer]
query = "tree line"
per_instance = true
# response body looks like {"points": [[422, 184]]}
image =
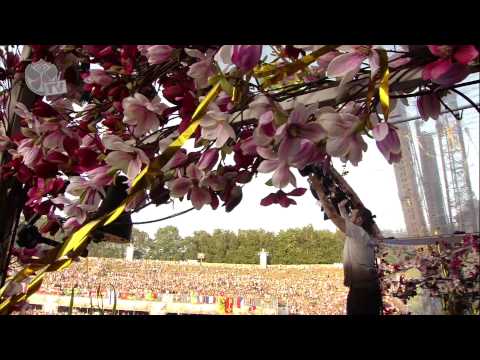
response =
{"points": [[293, 246]]}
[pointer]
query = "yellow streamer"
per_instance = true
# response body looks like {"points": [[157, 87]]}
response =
{"points": [[78, 238], [280, 72], [383, 91]]}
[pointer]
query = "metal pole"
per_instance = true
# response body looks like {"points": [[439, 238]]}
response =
{"points": [[464, 107]]}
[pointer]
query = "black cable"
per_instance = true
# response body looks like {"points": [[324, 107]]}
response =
{"points": [[164, 218]]}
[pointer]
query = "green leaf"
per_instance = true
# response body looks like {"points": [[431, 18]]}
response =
{"points": [[269, 183]]}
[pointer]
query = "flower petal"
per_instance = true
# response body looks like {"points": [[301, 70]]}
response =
{"points": [[380, 131], [465, 54], [200, 197], [267, 166], [281, 176], [179, 187], [344, 63], [288, 148]]}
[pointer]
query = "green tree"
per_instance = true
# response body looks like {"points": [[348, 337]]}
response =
{"points": [[167, 244]]}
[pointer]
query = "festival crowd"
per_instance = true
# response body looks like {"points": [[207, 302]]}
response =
{"points": [[304, 289]]}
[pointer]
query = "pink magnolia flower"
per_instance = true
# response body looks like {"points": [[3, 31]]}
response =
{"points": [[215, 126], [141, 113], [260, 105], [224, 102], [178, 159], [348, 64], [74, 208], [343, 139], [286, 157], [282, 176], [208, 160], [42, 188], [248, 146], [54, 140], [156, 54], [4, 143], [245, 57], [191, 184], [265, 131], [31, 152], [451, 67], [125, 156], [90, 193], [99, 77], [100, 176], [318, 71], [71, 225], [299, 126], [282, 198], [202, 69], [428, 106], [387, 142], [324, 60]]}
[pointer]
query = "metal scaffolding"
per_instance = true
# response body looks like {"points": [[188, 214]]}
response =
{"points": [[433, 177], [459, 194]]}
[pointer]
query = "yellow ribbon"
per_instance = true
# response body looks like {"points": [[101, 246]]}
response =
{"points": [[78, 238], [280, 72], [383, 90]]}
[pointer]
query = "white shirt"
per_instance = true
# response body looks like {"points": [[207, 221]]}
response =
{"points": [[358, 256]]}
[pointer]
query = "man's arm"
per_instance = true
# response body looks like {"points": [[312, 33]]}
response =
{"points": [[327, 204]]}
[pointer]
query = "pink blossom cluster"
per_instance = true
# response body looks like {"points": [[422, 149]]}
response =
{"points": [[126, 103]]}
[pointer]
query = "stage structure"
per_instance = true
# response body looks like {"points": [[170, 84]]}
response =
{"points": [[433, 177]]}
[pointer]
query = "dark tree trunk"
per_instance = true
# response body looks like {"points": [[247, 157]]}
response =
{"points": [[12, 193]]}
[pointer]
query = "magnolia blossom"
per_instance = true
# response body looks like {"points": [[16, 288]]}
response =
{"points": [[387, 142], [202, 69], [142, 113], [260, 105], [428, 106], [299, 126], [99, 77], [192, 184], [281, 162], [42, 188], [100, 176], [125, 156], [4, 143], [86, 189], [348, 64], [265, 131], [31, 152], [344, 139], [208, 159], [178, 159], [282, 198], [245, 57], [451, 67], [74, 208], [156, 54], [215, 126], [71, 225]]}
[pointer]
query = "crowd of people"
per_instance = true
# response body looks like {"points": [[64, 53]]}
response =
{"points": [[308, 289]]}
